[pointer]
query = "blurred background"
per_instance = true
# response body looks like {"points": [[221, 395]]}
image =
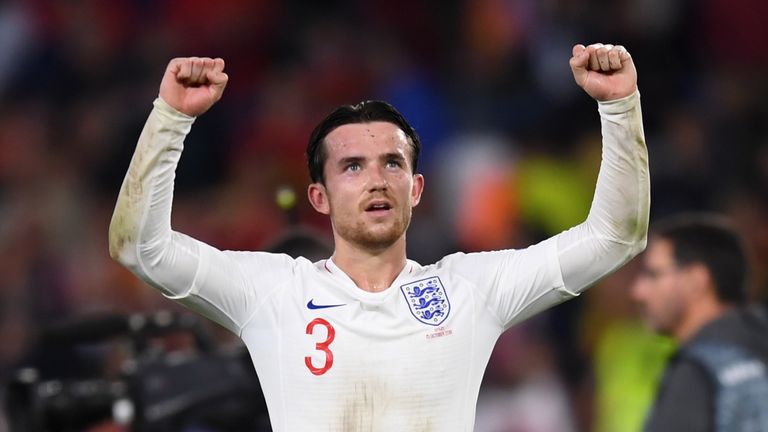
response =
{"points": [[511, 152]]}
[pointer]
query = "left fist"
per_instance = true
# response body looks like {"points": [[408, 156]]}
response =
{"points": [[605, 72]]}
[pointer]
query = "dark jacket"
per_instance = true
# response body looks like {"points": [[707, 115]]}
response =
{"points": [[687, 397]]}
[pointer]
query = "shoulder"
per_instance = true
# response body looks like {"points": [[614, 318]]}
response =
{"points": [[741, 329], [273, 262], [686, 391], [686, 372], [459, 258], [527, 260]]}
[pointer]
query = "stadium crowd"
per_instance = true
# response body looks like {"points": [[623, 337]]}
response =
{"points": [[511, 149]]}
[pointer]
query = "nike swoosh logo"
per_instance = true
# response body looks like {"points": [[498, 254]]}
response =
{"points": [[311, 304]]}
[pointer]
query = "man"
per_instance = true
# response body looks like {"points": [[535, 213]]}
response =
{"points": [[693, 288], [367, 339]]}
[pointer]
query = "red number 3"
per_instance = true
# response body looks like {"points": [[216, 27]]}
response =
{"points": [[321, 346]]}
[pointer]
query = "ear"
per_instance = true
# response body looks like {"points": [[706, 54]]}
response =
{"points": [[318, 197], [417, 189], [701, 279]]}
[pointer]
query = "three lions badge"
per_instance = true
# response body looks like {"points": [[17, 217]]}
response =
{"points": [[427, 300]]}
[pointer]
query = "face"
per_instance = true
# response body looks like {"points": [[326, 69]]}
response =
{"points": [[370, 188], [660, 289]]}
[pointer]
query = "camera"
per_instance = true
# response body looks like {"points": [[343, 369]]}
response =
{"points": [[154, 389]]}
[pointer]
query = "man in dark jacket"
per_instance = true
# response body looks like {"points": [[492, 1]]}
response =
{"points": [[693, 288]]}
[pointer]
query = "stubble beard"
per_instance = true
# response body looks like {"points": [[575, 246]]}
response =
{"points": [[667, 320], [374, 236]]}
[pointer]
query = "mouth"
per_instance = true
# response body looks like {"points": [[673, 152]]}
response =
{"points": [[378, 208]]}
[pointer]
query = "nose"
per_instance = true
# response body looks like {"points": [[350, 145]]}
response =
{"points": [[377, 180]]}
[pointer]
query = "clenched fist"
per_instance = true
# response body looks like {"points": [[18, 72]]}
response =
{"points": [[605, 72], [193, 84]]}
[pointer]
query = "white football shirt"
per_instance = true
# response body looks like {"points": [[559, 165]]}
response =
{"points": [[332, 357]]}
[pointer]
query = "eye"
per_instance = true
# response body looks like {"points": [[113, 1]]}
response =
{"points": [[394, 163], [353, 166]]}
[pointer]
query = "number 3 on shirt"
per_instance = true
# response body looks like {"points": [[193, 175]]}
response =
{"points": [[321, 346]]}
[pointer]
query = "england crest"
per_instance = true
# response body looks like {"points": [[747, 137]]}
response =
{"points": [[427, 300]]}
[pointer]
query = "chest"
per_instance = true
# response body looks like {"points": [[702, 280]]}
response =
{"points": [[394, 357], [421, 326]]}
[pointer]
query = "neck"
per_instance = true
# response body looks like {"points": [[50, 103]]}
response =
{"points": [[371, 270], [698, 317]]}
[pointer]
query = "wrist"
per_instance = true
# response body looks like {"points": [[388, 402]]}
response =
{"points": [[619, 105], [165, 108]]}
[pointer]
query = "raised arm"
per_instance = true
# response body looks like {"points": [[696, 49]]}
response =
{"points": [[517, 284], [616, 227], [142, 215], [140, 235]]}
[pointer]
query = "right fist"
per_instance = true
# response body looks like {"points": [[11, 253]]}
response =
{"points": [[192, 85]]}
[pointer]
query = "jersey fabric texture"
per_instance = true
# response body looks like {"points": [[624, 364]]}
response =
{"points": [[718, 382], [332, 357]]}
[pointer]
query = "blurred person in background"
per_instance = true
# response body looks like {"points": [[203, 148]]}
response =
{"points": [[693, 288], [626, 358], [367, 339]]}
